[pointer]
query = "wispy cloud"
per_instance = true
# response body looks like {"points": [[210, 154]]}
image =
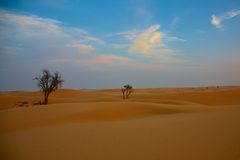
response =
{"points": [[152, 42], [58, 43], [29, 25], [109, 61], [174, 39], [83, 36], [144, 13], [44, 33], [104, 59], [217, 20], [83, 47], [174, 22], [141, 13], [130, 35], [146, 41]]}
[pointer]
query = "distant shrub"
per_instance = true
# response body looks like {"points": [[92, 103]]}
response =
{"points": [[126, 91]]}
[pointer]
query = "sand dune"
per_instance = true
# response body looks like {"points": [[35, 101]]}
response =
{"points": [[15, 119], [183, 123], [205, 96]]}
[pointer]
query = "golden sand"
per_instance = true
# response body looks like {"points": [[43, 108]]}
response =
{"points": [[169, 124]]}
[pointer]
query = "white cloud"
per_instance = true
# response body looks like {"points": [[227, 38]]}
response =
{"points": [[130, 35], [155, 37], [174, 39], [146, 41], [149, 43], [83, 47], [217, 20], [232, 13], [152, 43], [57, 43], [88, 38], [29, 25], [44, 34]]}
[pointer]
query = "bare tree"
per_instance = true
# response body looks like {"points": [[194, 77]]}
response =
{"points": [[48, 83], [126, 91]]}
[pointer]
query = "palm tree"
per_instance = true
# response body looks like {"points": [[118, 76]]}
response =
{"points": [[126, 91], [48, 83]]}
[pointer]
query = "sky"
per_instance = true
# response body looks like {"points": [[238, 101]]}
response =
{"points": [[107, 43]]}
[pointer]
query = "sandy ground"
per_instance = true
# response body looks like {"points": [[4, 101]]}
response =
{"points": [[169, 124]]}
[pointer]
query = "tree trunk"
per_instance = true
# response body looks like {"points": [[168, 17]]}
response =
{"points": [[129, 91], [123, 92], [46, 98]]}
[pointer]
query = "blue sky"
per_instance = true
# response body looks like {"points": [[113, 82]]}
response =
{"points": [[105, 44]]}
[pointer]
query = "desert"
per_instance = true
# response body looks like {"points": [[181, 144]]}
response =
{"points": [[155, 123], [119, 80]]}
